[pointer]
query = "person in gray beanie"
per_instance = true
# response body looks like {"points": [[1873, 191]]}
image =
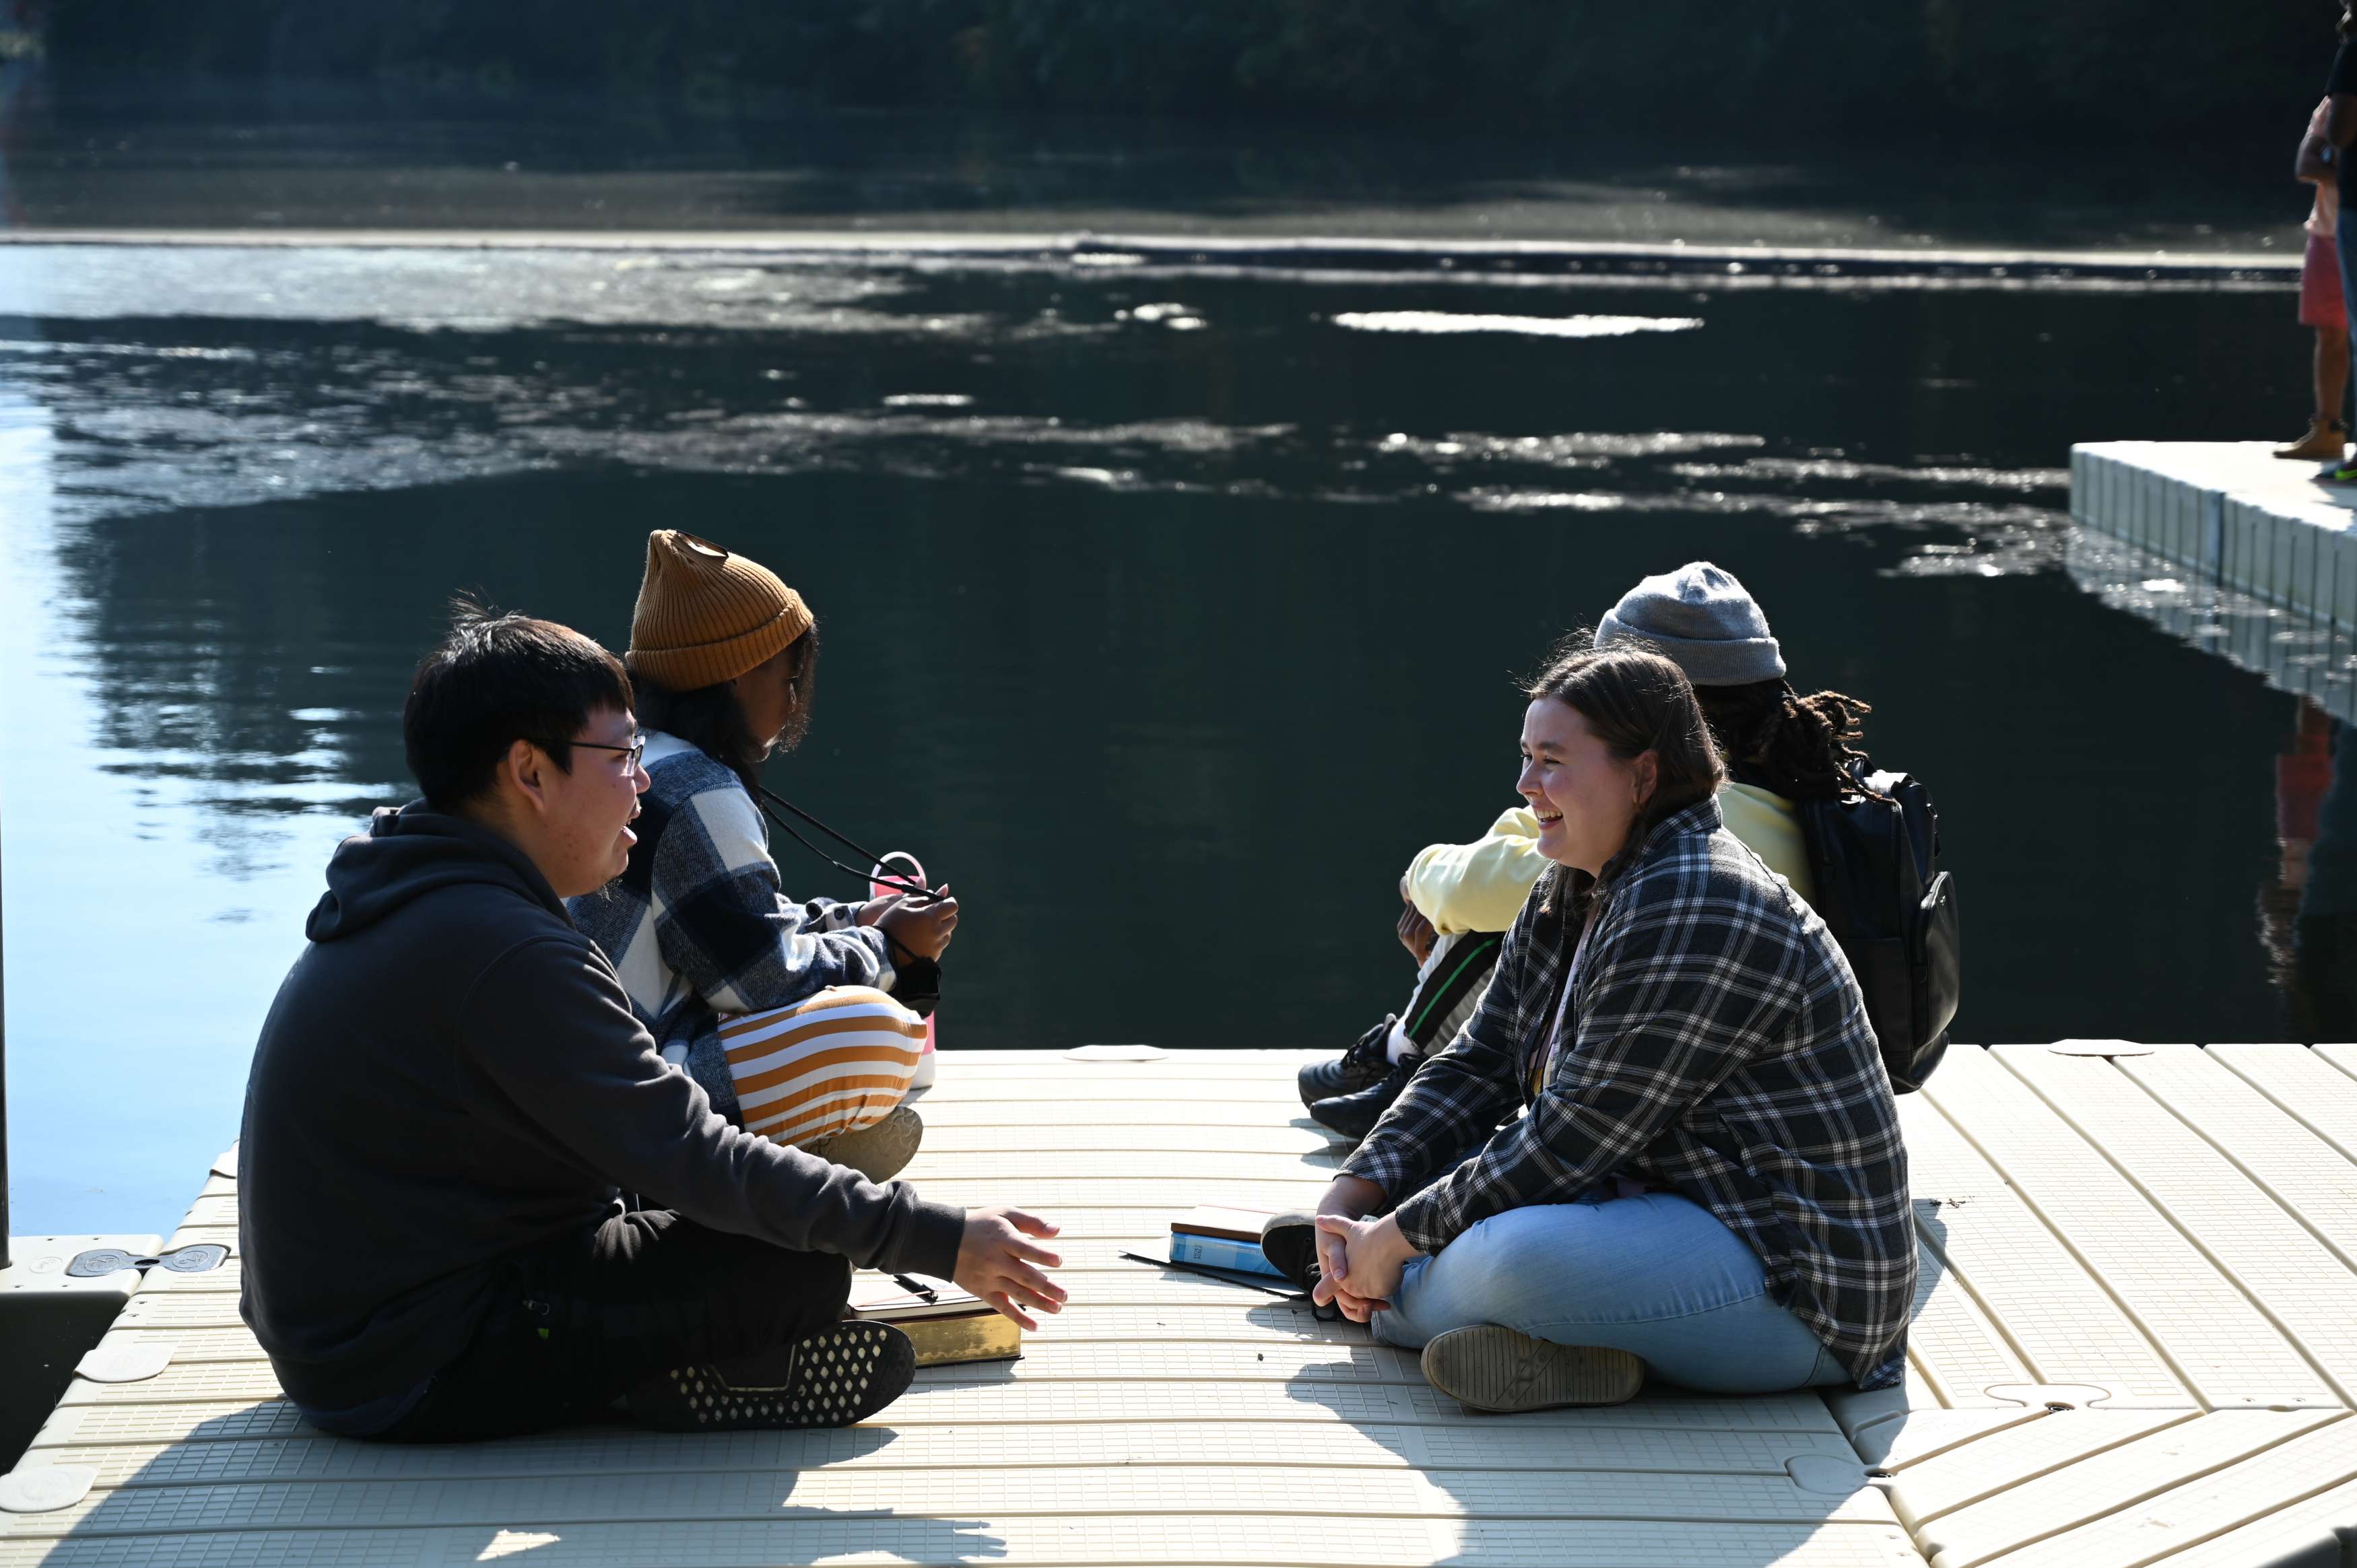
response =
{"points": [[1700, 617], [1781, 748]]}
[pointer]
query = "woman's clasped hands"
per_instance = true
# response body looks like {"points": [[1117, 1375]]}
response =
{"points": [[1360, 1262]]}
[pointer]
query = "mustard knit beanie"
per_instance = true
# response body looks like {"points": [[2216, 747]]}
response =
{"points": [[707, 615]]}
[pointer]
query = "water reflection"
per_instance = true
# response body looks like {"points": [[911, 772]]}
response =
{"points": [[2310, 912], [1168, 646]]}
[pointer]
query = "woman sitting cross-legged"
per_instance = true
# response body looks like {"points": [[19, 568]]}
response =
{"points": [[1705, 1176], [796, 1017]]}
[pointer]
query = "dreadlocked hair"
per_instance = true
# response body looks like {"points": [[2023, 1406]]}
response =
{"points": [[1800, 748]]}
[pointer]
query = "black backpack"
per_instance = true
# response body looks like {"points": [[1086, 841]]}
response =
{"points": [[1872, 851]]}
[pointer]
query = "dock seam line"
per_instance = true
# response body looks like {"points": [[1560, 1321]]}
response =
{"points": [[2257, 1180], [2177, 1418], [2298, 1345], [2168, 1359]]}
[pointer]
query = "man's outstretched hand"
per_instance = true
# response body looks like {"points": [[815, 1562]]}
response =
{"points": [[997, 1264]]}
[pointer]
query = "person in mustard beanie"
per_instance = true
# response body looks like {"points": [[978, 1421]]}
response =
{"points": [[800, 1019]]}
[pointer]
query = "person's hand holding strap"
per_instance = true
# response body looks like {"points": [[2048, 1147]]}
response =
{"points": [[995, 1263], [919, 929]]}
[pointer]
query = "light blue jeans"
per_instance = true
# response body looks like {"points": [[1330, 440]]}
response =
{"points": [[1655, 1275]]}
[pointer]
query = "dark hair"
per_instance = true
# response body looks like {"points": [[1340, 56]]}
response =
{"points": [[711, 719], [493, 681], [1637, 701], [1800, 748]]}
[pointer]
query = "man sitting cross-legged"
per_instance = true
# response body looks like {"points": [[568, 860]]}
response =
{"points": [[450, 1101]]}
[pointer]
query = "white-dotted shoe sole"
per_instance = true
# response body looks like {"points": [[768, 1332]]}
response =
{"points": [[831, 1379]]}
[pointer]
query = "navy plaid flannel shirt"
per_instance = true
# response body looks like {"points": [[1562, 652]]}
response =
{"points": [[1717, 1046]]}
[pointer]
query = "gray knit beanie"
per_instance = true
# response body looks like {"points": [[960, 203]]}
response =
{"points": [[1700, 618]]}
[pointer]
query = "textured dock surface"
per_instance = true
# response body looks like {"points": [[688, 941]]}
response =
{"points": [[2136, 1343]]}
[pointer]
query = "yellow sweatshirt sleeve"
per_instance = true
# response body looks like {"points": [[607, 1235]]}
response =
{"points": [[1483, 886]]}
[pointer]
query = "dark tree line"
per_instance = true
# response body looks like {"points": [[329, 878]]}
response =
{"points": [[2104, 70]]}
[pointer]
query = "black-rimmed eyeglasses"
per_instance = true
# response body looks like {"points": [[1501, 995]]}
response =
{"points": [[635, 751]]}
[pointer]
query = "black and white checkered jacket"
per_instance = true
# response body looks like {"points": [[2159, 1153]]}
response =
{"points": [[698, 926], [1716, 1046]]}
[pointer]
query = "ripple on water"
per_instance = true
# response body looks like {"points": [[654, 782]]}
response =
{"points": [[1530, 326]]}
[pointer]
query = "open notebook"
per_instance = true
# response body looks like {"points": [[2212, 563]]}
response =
{"points": [[946, 1324]]}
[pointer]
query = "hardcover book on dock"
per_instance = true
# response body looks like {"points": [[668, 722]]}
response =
{"points": [[1221, 1237], [948, 1325]]}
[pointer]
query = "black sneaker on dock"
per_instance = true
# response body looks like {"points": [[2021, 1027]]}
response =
{"points": [[1364, 1064], [843, 1374], [1355, 1115], [1289, 1243]]}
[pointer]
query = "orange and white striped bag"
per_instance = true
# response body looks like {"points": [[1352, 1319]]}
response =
{"points": [[831, 1065]]}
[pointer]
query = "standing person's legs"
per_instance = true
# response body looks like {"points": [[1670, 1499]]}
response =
{"points": [[2321, 308], [1656, 1276], [616, 1311], [2344, 246], [2331, 368]]}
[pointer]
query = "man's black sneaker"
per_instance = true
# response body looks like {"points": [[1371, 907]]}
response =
{"points": [[1355, 1115], [1364, 1064], [843, 1373], [1289, 1243]]}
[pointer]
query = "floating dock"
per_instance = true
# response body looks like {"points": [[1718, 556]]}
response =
{"points": [[2229, 547], [2135, 1343]]}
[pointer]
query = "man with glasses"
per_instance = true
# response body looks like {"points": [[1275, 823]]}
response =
{"points": [[474, 1200]]}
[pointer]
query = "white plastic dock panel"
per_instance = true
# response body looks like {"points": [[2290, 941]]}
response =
{"points": [[2225, 1500], [1992, 1464], [2304, 1290], [2080, 1216], [2106, 1483], [2309, 1178], [2303, 1083], [2067, 1328], [1166, 1418], [2207, 1327]]}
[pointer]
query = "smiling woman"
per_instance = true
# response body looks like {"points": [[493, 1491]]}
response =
{"points": [[1608, 751], [1698, 1170]]}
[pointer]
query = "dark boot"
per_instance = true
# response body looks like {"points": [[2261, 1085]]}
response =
{"points": [[1355, 1115], [1364, 1064]]}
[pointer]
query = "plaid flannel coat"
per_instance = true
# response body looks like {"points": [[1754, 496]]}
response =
{"points": [[1716, 1046], [698, 926]]}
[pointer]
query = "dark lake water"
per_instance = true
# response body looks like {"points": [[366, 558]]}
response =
{"points": [[1167, 611]]}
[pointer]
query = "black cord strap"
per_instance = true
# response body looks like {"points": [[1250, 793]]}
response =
{"points": [[916, 891]]}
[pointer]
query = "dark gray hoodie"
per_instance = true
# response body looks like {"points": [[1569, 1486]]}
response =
{"points": [[451, 1074]]}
